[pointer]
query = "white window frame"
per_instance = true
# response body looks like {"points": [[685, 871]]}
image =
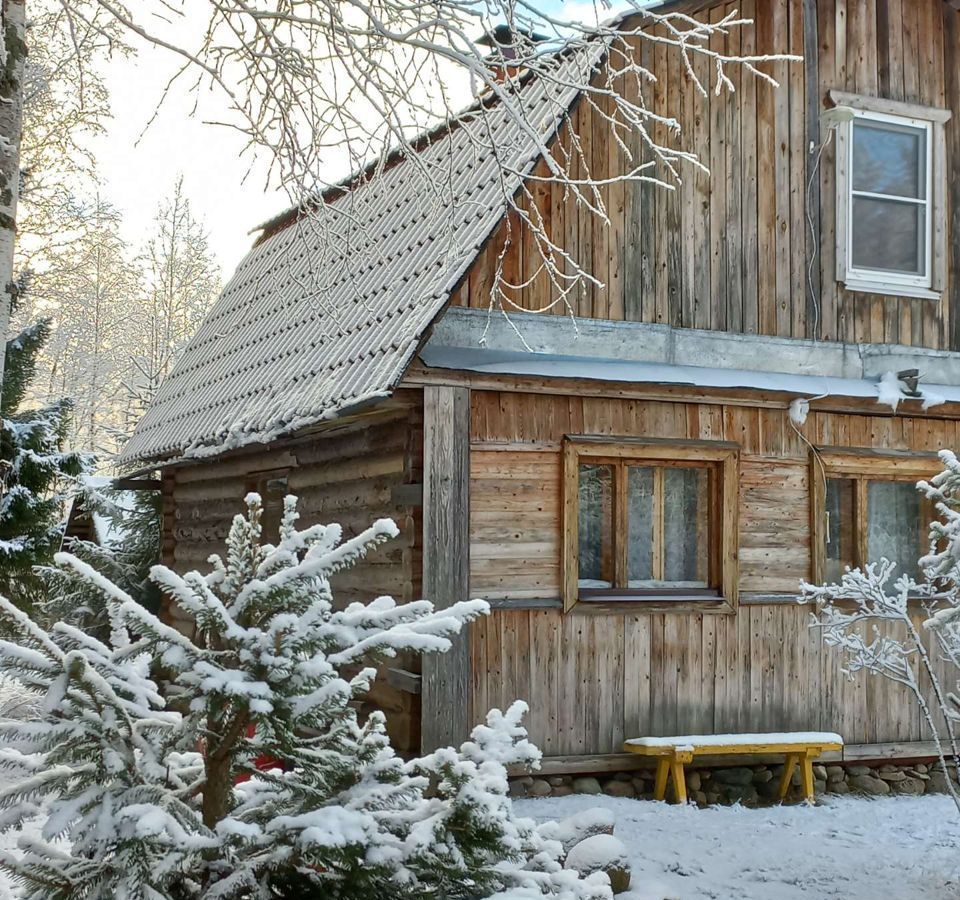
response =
{"points": [[880, 281]]}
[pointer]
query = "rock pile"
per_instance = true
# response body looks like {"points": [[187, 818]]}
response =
{"points": [[748, 785]]}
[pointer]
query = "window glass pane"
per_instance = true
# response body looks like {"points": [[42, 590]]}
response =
{"points": [[595, 526], [640, 526], [685, 517], [888, 235], [889, 159], [840, 547], [893, 524]]}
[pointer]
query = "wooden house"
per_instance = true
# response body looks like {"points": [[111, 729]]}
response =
{"points": [[633, 498]]}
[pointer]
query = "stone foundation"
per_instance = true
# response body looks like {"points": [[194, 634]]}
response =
{"points": [[748, 785]]}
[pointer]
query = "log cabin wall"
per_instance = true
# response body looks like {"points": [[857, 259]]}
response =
{"points": [[352, 474], [730, 251], [592, 678]]}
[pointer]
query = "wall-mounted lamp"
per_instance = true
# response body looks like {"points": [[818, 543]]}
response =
{"points": [[837, 115], [910, 382]]}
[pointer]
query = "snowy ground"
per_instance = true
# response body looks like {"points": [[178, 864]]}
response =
{"points": [[892, 848]]}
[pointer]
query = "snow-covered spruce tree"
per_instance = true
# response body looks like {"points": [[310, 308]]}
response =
{"points": [[172, 801], [126, 549], [870, 617], [34, 468]]}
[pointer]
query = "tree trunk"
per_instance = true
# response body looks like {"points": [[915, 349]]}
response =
{"points": [[217, 791], [11, 119]]}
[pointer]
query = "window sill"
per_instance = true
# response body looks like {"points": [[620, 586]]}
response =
{"points": [[892, 290], [653, 604]]}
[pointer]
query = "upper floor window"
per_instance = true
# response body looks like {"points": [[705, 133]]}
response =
{"points": [[649, 521], [890, 182]]}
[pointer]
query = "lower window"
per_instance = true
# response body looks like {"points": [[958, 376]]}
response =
{"points": [[649, 520], [867, 509]]}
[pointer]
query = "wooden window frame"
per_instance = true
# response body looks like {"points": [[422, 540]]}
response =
{"points": [[862, 465], [932, 119], [723, 456]]}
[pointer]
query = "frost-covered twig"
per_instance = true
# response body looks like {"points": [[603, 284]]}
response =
{"points": [[323, 86], [870, 617]]}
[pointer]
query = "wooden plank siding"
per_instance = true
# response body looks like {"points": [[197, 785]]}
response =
{"points": [[593, 677], [730, 251]]}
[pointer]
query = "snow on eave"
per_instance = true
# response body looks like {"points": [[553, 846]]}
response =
{"points": [[532, 364]]}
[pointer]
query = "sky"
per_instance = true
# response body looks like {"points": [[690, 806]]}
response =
{"points": [[140, 162], [140, 167]]}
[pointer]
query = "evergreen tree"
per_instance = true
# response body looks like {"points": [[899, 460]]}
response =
{"points": [[33, 470], [259, 779], [126, 549]]}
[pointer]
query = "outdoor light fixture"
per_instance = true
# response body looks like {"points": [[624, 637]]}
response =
{"points": [[837, 115], [910, 379]]}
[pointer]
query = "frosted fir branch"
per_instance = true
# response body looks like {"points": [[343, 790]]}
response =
{"points": [[144, 796], [870, 618]]}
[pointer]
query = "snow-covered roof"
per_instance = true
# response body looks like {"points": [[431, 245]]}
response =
{"points": [[326, 311]]}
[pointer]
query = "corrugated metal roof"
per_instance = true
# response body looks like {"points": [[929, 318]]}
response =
{"points": [[326, 313]]}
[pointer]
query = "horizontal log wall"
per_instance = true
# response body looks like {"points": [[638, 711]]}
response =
{"points": [[593, 678], [730, 250], [349, 475]]}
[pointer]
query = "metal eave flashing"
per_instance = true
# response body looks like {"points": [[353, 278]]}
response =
{"points": [[555, 346]]}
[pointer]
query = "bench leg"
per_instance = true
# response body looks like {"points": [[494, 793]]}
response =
{"points": [[679, 779], [806, 775], [789, 765], [663, 770]]}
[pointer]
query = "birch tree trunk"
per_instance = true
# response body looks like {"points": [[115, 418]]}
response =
{"points": [[11, 116]]}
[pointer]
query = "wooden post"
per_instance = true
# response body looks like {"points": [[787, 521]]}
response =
{"points": [[446, 707]]}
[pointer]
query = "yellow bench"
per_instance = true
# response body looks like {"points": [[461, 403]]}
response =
{"points": [[672, 753]]}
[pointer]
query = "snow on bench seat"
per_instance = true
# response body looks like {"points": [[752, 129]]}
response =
{"points": [[711, 741], [798, 747]]}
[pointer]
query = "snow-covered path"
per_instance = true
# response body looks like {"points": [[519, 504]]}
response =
{"points": [[893, 848]]}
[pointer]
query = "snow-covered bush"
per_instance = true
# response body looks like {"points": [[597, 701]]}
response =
{"points": [[870, 616], [256, 778]]}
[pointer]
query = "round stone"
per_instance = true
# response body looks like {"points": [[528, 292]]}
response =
{"points": [[586, 785], [910, 786], [869, 784], [740, 775], [539, 788], [616, 788], [892, 776]]}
